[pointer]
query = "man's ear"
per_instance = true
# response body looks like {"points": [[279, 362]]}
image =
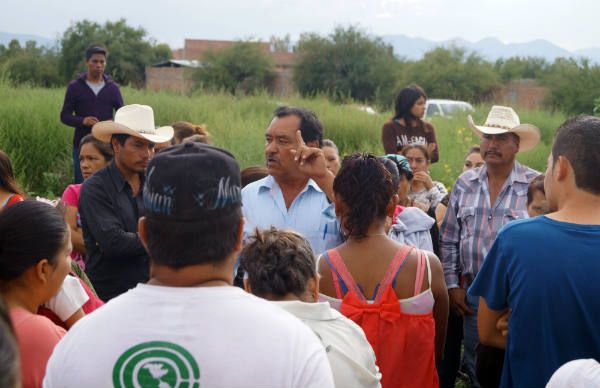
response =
{"points": [[563, 168], [142, 232], [116, 146]]}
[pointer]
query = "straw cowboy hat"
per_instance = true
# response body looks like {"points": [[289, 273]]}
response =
{"points": [[503, 119], [135, 120]]}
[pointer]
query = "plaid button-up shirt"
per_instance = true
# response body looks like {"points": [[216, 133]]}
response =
{"points": [[471, 222]]}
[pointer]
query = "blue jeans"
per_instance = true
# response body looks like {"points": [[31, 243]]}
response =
{"points": [[471, 339], [78, 178]]}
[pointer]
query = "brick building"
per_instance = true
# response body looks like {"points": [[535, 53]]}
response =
{"points": [[175, 75], [522, 93]]}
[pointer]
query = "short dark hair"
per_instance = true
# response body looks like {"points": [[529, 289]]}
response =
{"points": [[311, 128], [278, 263], [578, 140], [29, 232], [121, 138], [95, 49], [179, 244], [358, 172], [104, 148], [536, 184]]}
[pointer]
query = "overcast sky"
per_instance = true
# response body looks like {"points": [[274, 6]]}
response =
{"points": [[571, 24]]}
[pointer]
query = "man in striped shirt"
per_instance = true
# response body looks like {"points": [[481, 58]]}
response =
{"points": [[482, 201]]}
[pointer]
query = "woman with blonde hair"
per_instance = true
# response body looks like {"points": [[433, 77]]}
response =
{"points": [[184, 130]]}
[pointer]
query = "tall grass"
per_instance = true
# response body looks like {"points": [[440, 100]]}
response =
{"points": [[40, 145]]}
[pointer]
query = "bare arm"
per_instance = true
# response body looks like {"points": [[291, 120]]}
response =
{"points": [[440, 308], [76, 233], [487, 320], [74, 318]]}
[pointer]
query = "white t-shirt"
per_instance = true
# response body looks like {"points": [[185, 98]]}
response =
{"points": [[207, 336], [96, 87], [582, 373], [351, 356]]}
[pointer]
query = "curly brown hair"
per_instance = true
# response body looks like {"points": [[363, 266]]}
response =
{"points": [[366, 188], [278, 263]]}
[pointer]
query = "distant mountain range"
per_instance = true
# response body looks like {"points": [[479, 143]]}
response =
{"points": [[414, 48], [489, 48]]}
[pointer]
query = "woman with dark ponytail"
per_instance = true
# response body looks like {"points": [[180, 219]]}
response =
{"points": [[281, 267], [395, 292], [35, 244], [407, 126], [10, 192]]}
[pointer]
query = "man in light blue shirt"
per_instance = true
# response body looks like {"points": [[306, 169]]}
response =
{"points": [[297, 192]]}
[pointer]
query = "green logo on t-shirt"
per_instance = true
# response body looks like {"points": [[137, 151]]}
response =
{"points": [[156, 364]]}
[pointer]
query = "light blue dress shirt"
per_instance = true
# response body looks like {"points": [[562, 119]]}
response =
{"points": [[310, 214]]}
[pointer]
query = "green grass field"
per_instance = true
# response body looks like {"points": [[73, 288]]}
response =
{"points": [[40, 145]]}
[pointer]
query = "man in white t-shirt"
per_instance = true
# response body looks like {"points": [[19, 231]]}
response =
{"points": [[188, 326]]}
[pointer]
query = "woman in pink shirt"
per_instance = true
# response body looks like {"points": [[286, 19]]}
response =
{"points": [[35, 244], [93, 155]]}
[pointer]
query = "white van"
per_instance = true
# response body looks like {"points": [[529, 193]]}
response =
{"points": [[445, 108]]}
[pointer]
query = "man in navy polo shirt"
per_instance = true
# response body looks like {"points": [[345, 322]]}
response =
{"points": [[91, 98]]}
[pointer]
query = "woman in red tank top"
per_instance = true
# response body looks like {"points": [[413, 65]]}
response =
{"points": [[396, 293]]}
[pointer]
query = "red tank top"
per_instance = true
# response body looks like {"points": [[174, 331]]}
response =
{"points": [[404, 344]]}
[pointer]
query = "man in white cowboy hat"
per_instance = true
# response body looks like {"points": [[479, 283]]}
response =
{"points": [[111, 202], [482, 201]]}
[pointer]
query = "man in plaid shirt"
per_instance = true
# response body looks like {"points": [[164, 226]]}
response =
{"points": [[482, 201]]}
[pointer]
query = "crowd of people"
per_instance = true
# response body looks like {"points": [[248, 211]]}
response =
{"points": [[165, 264]]}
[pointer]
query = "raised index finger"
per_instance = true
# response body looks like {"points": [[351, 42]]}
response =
{"points": [[299, 139]]}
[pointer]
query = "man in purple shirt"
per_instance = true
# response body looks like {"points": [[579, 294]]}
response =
{"points": [[91, 98]]}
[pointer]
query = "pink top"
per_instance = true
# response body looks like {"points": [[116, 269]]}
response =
{"points": [[37, 336], [71, 195], [420, 303], [71, 198]]}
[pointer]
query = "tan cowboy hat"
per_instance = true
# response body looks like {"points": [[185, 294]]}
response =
{"points": [[503, 119], [135, 120]]}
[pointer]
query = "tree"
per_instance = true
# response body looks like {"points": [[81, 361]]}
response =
{"points": [[30, 64], [279, 44], [451, 73], [573, 85], [241, 68], [347, 63], [129, 50], [518, 68]]}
